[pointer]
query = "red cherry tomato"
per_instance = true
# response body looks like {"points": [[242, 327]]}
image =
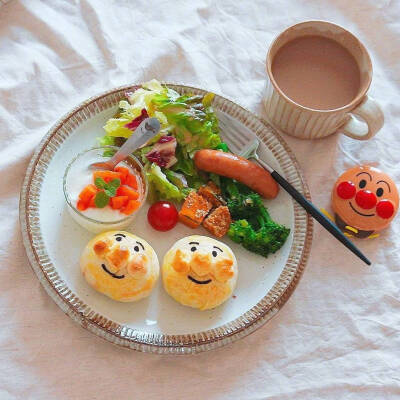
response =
{"points": [[346, 190], [162, 216]]}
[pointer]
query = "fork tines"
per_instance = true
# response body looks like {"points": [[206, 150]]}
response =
{"points": [[236, 136]]}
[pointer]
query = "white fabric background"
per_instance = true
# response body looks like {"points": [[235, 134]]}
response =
{"points": [[338, 335]]}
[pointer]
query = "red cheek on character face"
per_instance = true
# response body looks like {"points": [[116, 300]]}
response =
{"points": [[346, 190], [385, 209]]}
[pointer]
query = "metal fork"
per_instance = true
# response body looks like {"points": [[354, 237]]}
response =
{"points": [[242, 141]]}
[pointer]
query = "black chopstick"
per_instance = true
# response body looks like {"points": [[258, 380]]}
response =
{"points": [[313, 211]]}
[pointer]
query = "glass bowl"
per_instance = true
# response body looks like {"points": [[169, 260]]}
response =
{"points": [[80, 165]]}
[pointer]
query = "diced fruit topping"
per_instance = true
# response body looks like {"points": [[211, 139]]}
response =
{"points": [[109, 189], [107, 176], [118, 202], [81, 205], [131, 181], [124, 173], [91, 203], [87, 193], [131, 206], [126, 191]]}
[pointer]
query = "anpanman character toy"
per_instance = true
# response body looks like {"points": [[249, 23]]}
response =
{"points": [[365, 200]]}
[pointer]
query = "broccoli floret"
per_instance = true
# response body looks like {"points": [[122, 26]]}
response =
{"points": [[253, 226], [268, 239], [245, 206]]}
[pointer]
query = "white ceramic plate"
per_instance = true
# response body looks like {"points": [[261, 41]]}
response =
{"points": [[54, 243]]}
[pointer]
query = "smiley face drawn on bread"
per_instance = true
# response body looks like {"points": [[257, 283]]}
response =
{"points": [[120, 265], [199, 272]]}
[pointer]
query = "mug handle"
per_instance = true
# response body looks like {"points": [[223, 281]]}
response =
{"points": [[371, 114]]}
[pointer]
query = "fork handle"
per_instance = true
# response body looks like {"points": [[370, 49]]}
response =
{"points": [[314, 212]]}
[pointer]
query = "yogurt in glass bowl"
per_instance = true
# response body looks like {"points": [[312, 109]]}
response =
{"points": [[78, 176]]}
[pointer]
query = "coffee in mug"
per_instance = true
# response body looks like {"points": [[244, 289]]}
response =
{"points": [[318, 76]]}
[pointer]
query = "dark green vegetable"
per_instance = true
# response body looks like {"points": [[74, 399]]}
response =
{"points": [[223, 146], [253, 227]]}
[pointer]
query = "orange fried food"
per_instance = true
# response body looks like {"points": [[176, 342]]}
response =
{"points": [[212, 193], [218, 221], [194, 210]]}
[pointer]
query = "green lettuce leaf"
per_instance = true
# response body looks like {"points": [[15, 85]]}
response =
{"points": [[193, 118], [162, 187]]}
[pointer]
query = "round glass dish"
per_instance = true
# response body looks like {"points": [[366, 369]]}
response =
{"points": [[105, 219]]}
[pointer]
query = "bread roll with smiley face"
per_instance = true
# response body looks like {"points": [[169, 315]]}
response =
{"points": [[365, 200], [120, 265], [199, 272]]}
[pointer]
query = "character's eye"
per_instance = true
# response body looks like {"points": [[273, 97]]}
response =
{"points": [[137, 248], [214, 252], [379, 192], [119, 236], [194, 248], [362, 184]]}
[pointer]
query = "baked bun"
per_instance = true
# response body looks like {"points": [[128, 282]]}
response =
{"points": [[199, 272], [120, 265]]}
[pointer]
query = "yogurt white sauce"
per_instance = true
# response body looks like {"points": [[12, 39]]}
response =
{"points": [[102, 219]]}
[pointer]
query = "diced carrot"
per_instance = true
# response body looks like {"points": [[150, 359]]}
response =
{"points": [[107, 175], [131, 181], [81, 205], [87, 193], [126, 191], [130, 207], [124, 173], [118, 202], [91, 203]]}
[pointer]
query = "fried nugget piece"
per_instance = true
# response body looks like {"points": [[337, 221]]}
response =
{"points": [[194, 210], [212, 193], [218, 221]]}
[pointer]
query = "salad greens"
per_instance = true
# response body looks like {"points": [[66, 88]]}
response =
{"points": [[162, 188], [190, 119]]}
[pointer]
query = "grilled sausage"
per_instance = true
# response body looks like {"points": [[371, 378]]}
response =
{"points": [[236, 167]]}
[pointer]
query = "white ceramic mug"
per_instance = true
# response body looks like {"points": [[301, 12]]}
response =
{"points": [[307, 123]]}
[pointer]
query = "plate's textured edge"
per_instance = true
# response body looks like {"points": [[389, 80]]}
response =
{"points": [[122, 335]]}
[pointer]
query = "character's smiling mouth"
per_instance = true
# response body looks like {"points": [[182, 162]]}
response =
{"points": [[199, 282], [358, 212], [110, 273]]}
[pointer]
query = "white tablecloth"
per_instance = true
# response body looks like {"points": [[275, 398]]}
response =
{"points": [[338, 335]]}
